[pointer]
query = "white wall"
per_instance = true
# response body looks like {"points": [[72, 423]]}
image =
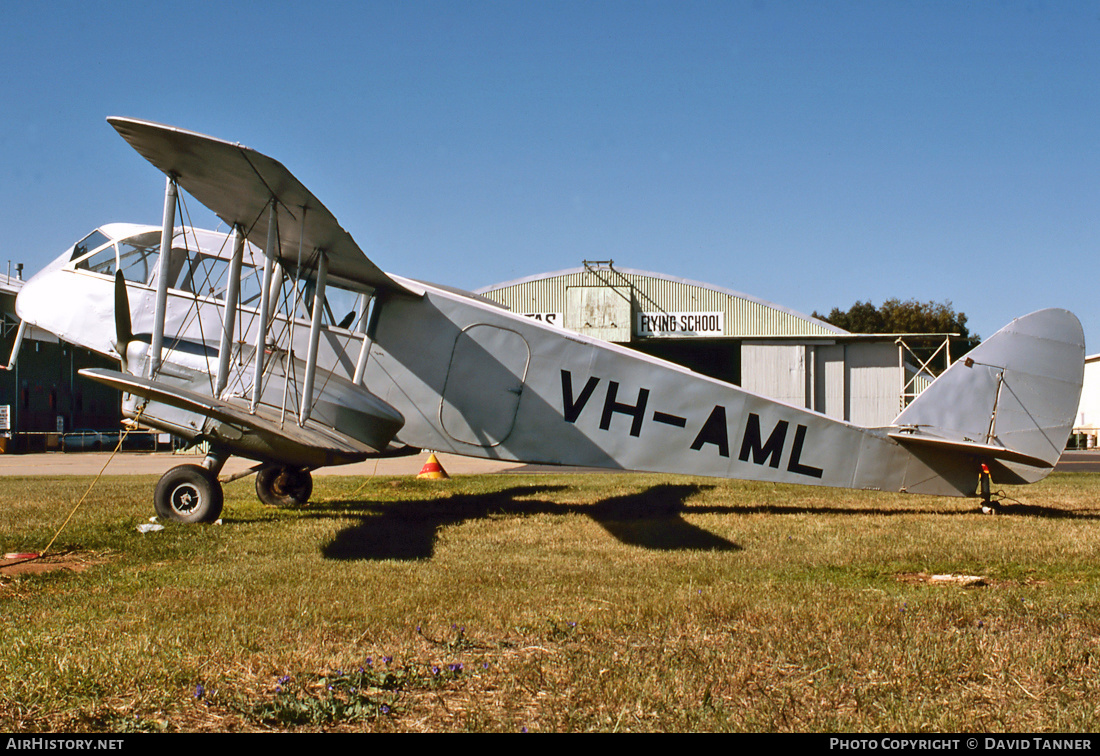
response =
{"points": [[1088, 413], [859, 381]]}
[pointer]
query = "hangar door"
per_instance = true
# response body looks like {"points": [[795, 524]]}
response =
{"points": [[602, 312]]}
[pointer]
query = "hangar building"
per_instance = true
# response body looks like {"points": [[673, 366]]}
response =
{"points": [[42, 396], [761, 346]]}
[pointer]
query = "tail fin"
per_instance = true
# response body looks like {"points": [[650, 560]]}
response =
{"points": [[1010, 403]]}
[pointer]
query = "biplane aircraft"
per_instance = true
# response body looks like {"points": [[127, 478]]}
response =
{"points": [[281, 342]]}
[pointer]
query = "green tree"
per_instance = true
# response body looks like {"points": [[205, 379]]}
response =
{"points": [[896, 316], [910, 317]]}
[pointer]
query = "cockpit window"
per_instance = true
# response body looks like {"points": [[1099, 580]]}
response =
{"points": [[138, 255], [102, 261], [201, 274], [88, 243], [203, 271], [342, 307], [251, 285]]}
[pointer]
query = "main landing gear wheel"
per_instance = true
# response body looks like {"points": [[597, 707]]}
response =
{"points": [[189, 493], [284, 486]]}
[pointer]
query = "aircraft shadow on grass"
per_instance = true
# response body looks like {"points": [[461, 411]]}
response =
{"points": [[407, 530], [650, 519]]}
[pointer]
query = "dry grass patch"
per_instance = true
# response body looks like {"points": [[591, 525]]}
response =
{"points": [[556, 603]]}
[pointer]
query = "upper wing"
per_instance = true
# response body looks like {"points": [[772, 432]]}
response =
{"points": [[238, 184]]}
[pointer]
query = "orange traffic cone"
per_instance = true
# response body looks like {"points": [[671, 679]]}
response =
{"points": [[432, 469]]}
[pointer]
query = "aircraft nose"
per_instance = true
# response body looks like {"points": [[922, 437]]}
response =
{"points": [[31, 297], [34, 297], [67, 305]]}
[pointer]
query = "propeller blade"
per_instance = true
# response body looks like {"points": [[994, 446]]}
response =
{"points": [[124, 333]]}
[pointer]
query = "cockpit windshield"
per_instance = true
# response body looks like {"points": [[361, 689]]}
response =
{"points": [[195, 266], [199, 265], [102, 261], [92, 241]]}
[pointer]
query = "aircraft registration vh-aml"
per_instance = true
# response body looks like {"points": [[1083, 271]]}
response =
{"points": [[281, 342]]}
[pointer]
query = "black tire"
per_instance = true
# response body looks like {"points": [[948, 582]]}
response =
{"points": [[284, 486], [188, 493]]}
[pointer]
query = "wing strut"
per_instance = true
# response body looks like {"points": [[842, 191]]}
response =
{"points": [[314, 337], [16, 346], [265, 304], [156, 344], [364, 328], [232, 303]]}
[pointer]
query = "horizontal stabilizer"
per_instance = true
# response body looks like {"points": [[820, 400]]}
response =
{"points": [[237, 184], [979, 451]]}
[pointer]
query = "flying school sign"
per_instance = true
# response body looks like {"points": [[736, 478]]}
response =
{"points": [[680, 324]]}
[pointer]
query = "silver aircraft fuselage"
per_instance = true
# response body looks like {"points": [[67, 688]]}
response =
{"points": [[449, 371]]}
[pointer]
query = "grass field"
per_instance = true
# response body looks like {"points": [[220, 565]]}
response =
{"points": [[554, 603]]}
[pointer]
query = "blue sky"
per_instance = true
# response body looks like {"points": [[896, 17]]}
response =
{"points": [[808, 153]]}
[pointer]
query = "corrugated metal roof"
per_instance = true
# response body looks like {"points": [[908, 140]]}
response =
{"points": [[10, 284], [744, 315]]}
